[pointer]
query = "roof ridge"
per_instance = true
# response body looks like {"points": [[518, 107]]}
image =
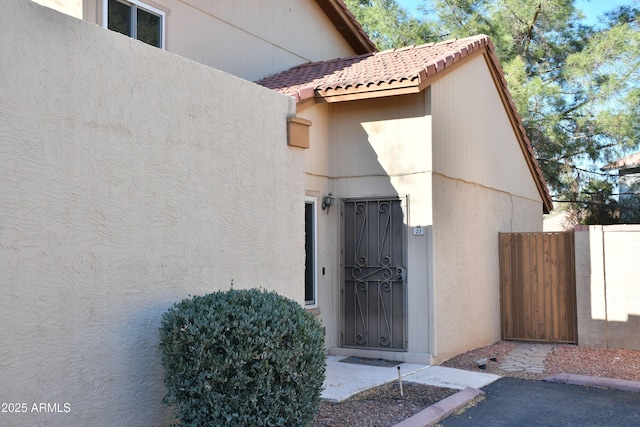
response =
{"points": [[379, 53], [439, 61], [480, 37]]}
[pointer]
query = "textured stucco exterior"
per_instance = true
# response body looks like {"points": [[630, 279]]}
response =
{"points": [[380, 148], [481, 186], [317, 185], [131, 178], [247, 38], [451, 154], [371, 148], [467, 220], [474, 139], [607, 285]]}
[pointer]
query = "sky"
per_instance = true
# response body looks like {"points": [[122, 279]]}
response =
{"points": [[591, 8]]}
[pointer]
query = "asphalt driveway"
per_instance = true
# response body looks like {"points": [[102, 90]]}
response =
{"points": [[515, 402]]}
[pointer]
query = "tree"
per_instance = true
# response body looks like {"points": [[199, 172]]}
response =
{"points": [[596, 204], [388, 24], [577, 87]]}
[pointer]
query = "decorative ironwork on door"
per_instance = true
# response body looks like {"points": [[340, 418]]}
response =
{"points": [[374, 291]]}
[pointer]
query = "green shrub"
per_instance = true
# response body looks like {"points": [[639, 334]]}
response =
{"points": [[242, 358]]}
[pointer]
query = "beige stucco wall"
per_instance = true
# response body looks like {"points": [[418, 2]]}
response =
{"points": [[473, 138], [247, 38], [131, 178], [608, 286], [367, 149], [467, 220], [317, 185], [481, 186], [451, 154]]}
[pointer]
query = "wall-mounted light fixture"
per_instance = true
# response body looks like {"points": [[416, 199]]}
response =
{"points": [[327, 201]]}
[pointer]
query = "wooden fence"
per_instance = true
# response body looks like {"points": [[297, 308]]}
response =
{"points": [[538, 287]]}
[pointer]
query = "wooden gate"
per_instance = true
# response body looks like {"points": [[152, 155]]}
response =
{"points": [[538, 287]]}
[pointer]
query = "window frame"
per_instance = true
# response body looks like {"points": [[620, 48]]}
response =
{"points": [[313, 201], [136, 4]]}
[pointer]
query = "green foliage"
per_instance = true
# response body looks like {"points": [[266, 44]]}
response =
{"points": [[577, 87], [599, 207], [630, 208], [388, 24], [242, 358]]}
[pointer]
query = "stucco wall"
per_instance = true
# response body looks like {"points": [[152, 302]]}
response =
{"points": [[475, 185], [608, 285], [247, 38], [467, 220], [473, 137], [131, 178], [374, 148], [481, 186], [317, 185]]}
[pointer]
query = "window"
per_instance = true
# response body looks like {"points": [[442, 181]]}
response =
{"points": [[310, 244], [135, 19]]}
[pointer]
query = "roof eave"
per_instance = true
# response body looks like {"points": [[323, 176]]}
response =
{"points": [[369, 91], [347, 25], [422, 79], [523, 139]]}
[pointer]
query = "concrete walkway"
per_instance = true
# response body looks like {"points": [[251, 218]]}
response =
{"points": [[343, 380], [527, 357]]}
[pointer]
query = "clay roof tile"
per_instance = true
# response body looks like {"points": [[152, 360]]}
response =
{"points": [[407, 66], [386, 67]]}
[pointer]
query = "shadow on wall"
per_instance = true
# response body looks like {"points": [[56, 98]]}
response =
{"points": [[140, 364], [378, 156]]}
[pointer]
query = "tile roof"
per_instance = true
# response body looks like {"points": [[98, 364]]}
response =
{"points": [[411, 68], [408, 66], [627, 162]]}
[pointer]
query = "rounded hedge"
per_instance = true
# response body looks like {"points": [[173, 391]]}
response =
{"points": [[242, 358]]}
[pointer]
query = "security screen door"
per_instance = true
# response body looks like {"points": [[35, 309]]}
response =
{"points": [[374, 287]]}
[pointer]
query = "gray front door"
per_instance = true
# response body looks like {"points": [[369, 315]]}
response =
{"points": [[374, 290]]}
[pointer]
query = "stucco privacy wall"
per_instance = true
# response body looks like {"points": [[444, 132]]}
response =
{"points": [[481, 186], [130, 178], [247, 38], [608, 285]]}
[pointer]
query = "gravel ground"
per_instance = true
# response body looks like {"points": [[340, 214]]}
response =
{"points": [[380, 407], [563, 358], [383, 406]]}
